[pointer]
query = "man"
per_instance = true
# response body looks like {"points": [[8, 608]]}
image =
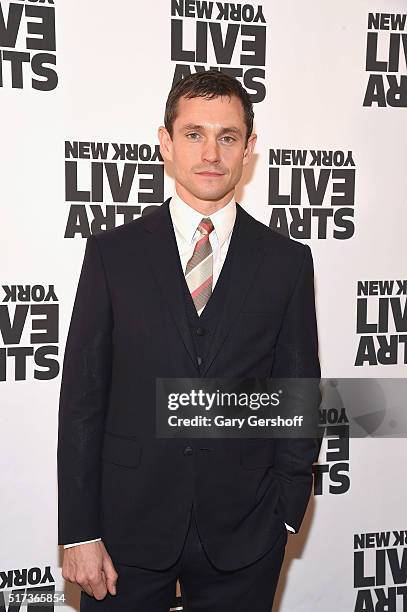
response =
{"points": [[196, 288]]}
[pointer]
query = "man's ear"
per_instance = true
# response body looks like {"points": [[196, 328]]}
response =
{"points": [[165, 143], [248, 152]]}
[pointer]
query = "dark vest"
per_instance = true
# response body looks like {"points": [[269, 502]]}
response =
{"points": [[203, 327]]}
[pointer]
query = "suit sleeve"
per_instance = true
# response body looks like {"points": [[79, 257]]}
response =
{"points": [[83, 402], [296, 356]]}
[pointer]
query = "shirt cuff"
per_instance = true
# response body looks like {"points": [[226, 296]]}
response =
{"points": [[289, 528], [84, 542]]}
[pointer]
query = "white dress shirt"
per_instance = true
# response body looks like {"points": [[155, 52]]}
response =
{"points": [[185, 220]]}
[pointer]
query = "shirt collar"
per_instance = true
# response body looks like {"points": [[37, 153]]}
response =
{"points": [[186, 219]]}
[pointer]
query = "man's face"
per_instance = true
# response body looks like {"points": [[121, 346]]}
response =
{"points": [[208, 147]]}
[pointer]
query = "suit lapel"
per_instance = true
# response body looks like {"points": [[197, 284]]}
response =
{"points": [[164, 258], [245, 250]]}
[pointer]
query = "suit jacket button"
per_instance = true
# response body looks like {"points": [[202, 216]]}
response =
{"points": [[199, 360], [200, 331], [188, 450]]}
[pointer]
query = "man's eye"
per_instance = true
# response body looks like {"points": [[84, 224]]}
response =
{"points": [[193, 135], [228, 139]]}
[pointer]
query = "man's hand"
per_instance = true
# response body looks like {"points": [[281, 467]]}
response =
{"points": [[90, 566]]}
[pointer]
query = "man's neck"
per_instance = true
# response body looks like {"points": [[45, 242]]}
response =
{"points": [[205, 207]]}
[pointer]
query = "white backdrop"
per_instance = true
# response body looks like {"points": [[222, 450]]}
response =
{"points": [[114, 64]]}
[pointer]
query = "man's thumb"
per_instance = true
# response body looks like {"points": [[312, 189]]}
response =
{"points": [[111, 576]]}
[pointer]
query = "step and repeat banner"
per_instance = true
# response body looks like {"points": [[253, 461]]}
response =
{"points": [[83, 85]]}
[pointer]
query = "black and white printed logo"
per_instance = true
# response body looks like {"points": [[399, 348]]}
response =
{"points": [[381, 322], [29, 334], [27, 45], [29, 588], [107, 183], [331, 473], [380, 571], [312, 193], [386, 60], [226, 36]]}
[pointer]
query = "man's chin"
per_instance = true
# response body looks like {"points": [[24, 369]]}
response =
{"points": [[210, 195]]}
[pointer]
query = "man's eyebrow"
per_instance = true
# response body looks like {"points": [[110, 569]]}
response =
{"points": [[192, 126], [231, 130], [228, 129]]}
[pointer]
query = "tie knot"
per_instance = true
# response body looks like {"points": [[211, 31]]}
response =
{"points": [[205, 226]]}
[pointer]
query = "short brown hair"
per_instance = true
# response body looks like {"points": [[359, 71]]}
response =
{"points": [[209, 84]]}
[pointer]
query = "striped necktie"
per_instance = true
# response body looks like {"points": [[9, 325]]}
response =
{"points": [[199, 269]]}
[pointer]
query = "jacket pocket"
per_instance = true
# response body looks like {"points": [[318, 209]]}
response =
{"points": [[121, 450]]}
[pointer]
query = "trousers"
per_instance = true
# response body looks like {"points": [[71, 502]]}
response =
{"points": [[204, 587]]}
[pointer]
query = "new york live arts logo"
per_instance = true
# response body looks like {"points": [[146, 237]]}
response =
{"points": [[28, 45]]}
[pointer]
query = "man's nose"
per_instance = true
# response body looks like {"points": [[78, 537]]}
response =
{"points": [[210, 151]]}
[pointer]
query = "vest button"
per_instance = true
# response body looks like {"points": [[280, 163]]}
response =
{"points": [[199, 360], [200, 331], [188, 450]]}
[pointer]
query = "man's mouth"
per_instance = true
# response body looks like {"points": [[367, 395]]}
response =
{"points": [[210, 173]]}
